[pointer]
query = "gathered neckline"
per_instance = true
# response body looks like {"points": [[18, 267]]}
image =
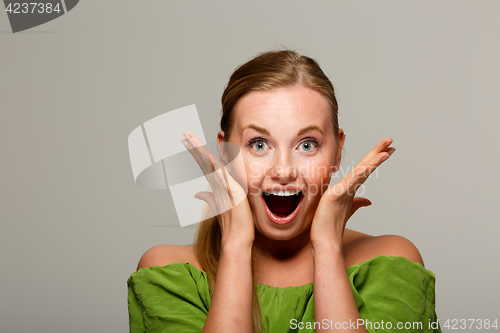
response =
{"points": [[307, 285]]}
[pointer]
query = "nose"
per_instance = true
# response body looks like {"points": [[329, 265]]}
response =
{"points": [[283, 168]]}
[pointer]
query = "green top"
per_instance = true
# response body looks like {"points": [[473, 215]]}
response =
{"points": [[388, 290]]}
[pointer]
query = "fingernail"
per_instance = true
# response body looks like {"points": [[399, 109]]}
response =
{"points": [[385, 157], [184, 142], [186, 135]]}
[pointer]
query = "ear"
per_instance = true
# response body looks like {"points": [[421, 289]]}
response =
{"points": [[220, 139], [220, 136], [338, 153]]}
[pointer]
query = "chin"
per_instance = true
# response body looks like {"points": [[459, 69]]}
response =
{"points": [[280, 232], [279, 235]]}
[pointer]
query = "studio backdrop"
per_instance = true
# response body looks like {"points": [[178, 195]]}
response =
{"points": [[74, 221]]}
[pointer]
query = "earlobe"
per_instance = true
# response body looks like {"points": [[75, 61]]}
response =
{"points": [[338, 154], [335, 168], [220, 136], [220, 139], [341, 138]]}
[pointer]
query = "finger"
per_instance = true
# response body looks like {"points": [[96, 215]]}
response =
{"points": [[219, 183], [226, 180], [381, 147], [359, 174], [196, 143], [369, 163], [212, 165], [196, 149], [234, 189], [219, 200], [207, 162], [228, 188], [197, 155], [193, 137]]}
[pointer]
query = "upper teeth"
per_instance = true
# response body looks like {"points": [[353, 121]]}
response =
{"points": [[282, 192]]}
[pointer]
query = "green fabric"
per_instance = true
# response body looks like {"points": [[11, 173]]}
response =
{"points": [[175, 298]]}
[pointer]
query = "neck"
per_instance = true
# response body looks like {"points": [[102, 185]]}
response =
{"points": [[277, 250]]}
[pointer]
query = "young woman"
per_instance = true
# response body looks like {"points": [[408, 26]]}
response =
{"points": [[281, 259]]}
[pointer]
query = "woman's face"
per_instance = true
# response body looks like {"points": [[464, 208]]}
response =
{"points": [[289, 150]]}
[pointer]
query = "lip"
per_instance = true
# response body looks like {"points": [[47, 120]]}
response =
{"points": [[282, 220], [278, 188]]}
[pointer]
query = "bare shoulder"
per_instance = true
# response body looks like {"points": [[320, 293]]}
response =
{"points": [[161, 255], [359, 247]]}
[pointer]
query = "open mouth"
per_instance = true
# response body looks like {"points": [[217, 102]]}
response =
{"points": [[282, 205]]}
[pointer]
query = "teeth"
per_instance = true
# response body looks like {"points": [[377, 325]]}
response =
{"points": [[282, 193]]}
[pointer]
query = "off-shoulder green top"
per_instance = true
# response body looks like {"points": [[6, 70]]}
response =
{"points": [[388, 291]]}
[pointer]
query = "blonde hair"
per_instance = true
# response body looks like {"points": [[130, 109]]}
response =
{"points": [[268, 70]]}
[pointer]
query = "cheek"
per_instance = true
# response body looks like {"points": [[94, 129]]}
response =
{"points": [[317, 177], [238, 170], [255, 173], [316, 187]]}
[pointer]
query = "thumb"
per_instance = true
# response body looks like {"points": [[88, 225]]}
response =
{"points": [[208, 197], [357, 203]]}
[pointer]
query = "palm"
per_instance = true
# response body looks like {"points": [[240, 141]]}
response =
{"points": [[339, 202], [228, 199]]}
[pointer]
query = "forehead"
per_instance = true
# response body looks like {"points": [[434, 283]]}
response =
{"points": [[283, 108]]}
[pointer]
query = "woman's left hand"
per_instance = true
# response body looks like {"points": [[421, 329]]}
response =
{"points": [[338, 203]]}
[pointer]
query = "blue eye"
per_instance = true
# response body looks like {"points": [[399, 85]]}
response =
{"points": [[307, 145], [259, 144], [310, 144]]}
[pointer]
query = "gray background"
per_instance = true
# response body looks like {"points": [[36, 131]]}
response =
{"points": [[73, 222]]}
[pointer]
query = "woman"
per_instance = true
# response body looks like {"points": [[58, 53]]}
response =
{"points": [[281, 260]]}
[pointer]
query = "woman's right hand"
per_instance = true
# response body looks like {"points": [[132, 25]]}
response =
{"points": [[231, 306], [228, 200]]}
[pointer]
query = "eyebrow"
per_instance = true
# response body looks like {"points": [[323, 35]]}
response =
{"points": [[301, 131], [257, 128], [310, 128]]}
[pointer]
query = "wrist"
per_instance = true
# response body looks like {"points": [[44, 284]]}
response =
{"points": [[241, 250], [329, 246]]}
